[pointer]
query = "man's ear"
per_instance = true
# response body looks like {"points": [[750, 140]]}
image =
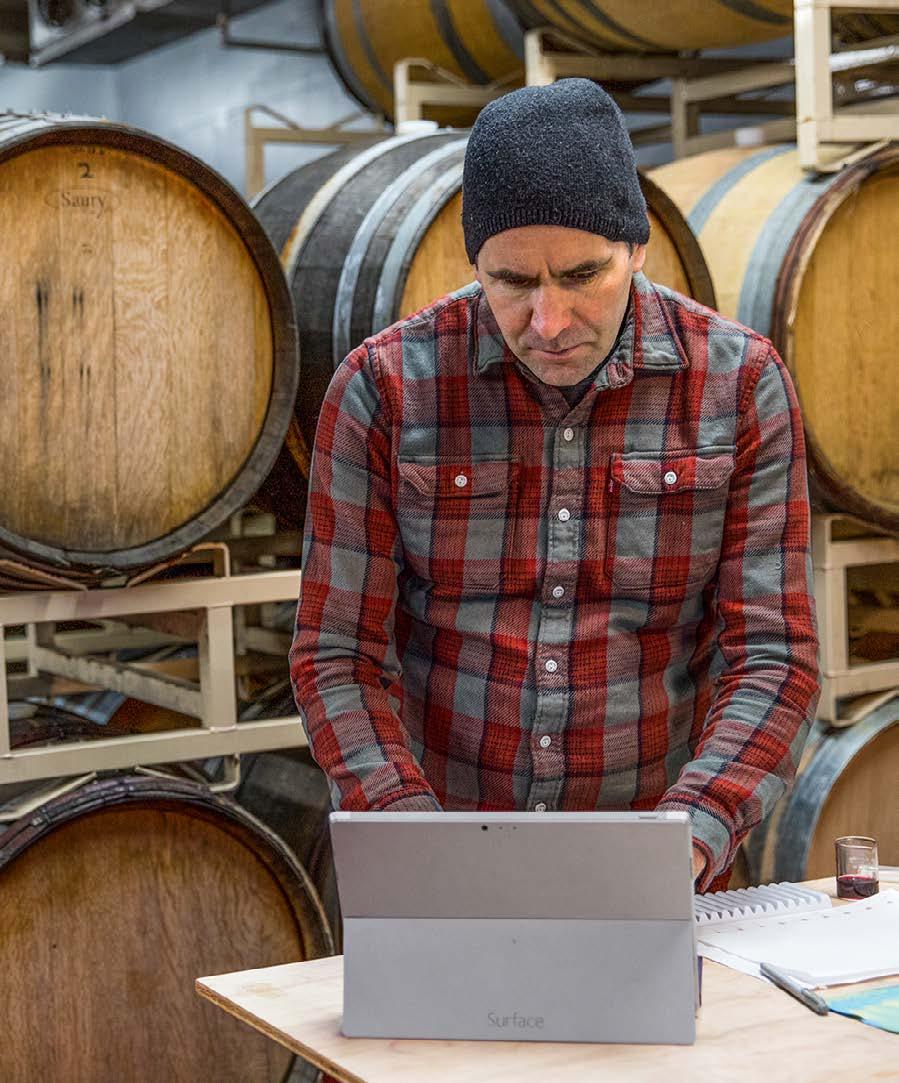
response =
{"points": [[638, 257], [477, 273]]}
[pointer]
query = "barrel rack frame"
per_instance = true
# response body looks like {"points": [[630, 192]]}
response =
{"points": [[828, 138], [817, 123], [550, 54], [832, 556], [212, 699], [256, 136]]}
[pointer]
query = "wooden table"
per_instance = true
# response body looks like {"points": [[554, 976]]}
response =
{"points": [[746, 1030]]}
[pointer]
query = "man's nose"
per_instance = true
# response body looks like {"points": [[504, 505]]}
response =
{"points": [[549, 313]]}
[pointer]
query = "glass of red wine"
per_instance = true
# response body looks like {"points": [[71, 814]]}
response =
{"points": [[856, 867]]}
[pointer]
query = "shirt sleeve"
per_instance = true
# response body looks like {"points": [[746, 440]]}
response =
{"points": [[343, 661], [767, 689]]}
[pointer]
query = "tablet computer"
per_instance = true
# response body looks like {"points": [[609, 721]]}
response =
{"points": [[555, 926]]}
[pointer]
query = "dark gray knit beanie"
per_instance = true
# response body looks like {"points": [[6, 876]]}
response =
{"points": [[557, 155]]}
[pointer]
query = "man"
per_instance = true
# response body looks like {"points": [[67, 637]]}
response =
{"points": [[556, 554]]}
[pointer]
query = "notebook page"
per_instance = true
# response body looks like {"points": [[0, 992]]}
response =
{"points": [[826, 947]]}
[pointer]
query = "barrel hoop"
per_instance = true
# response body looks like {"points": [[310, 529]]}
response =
{"points": [[334, 45], [699, 279], [710, 199], [352, 264], [756, 303], [610, 24], [507, 27], [415, 225], [454, 43], [758, 12], [316, 206], [527, 14], [370, 55], [805, 801]]}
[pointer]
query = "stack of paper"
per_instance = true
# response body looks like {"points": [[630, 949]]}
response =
{"points": [[827, 947]]}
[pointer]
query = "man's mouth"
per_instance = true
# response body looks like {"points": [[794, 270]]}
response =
{"points": [[557, 353]]}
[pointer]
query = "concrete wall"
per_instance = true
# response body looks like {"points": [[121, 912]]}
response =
{"points": [[69, 89]]}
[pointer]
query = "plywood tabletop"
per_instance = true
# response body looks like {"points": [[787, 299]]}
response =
{"points": [[746, 1030]]}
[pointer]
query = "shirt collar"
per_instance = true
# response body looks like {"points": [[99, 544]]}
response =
{"points": [[649, 341]]}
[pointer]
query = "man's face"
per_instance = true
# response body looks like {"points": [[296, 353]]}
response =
{"points": [[559, 296]]}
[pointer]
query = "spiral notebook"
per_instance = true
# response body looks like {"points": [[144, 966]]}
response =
{"points": [[831, 946], [757, 902]]}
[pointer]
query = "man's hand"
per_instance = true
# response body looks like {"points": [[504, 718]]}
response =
{"points": [[699, 862]]}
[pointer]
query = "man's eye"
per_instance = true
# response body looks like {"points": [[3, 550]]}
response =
{"points": [[584, 276], [516, 283]]}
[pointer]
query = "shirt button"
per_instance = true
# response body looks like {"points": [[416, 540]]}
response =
{"points": [[551, 666], [670, 478], [540, 807], [568, 434], [545, 742], [461, 480], [564, 514], [558, 592]]}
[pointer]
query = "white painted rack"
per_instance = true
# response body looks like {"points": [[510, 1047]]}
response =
{"points": [[212, 699]]}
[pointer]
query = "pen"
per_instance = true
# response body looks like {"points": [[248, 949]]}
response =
{"points": [[789, 985]]}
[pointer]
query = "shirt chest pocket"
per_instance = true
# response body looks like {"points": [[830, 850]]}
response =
{"points": [[666, 520], [457, 520]]}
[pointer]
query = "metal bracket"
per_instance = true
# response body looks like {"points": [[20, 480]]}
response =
{"points": [[228, 41]]}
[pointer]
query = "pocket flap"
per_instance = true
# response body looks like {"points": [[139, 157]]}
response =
{"points": [[672, 473], [457, 478]]}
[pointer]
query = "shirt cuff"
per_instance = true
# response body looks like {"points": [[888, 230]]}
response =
{"points": [[710, 836], [419, 802]]}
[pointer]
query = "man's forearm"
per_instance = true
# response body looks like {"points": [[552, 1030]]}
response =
{"points": [[358, 742], [343, 659], [767, 691]]}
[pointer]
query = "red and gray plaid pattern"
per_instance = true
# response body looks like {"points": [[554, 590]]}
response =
{"points": [[508, 603]]}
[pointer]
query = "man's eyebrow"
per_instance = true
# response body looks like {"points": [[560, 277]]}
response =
{"points": [[506, 272], [586, 267]]}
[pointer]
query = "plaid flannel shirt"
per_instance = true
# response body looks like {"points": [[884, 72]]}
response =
{"points": [[510, 603]]}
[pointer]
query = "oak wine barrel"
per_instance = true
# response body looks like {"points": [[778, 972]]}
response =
{"points": [[119, 894], [646, 26], [845, 785], [481, 41], [147, 347], [809, 261], [368, 237], [478, 41]]}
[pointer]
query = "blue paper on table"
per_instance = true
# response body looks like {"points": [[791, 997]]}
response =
{"points": [[876, 1007]]}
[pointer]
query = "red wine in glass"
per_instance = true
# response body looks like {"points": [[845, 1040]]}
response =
{"points": [[853, 886]]}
